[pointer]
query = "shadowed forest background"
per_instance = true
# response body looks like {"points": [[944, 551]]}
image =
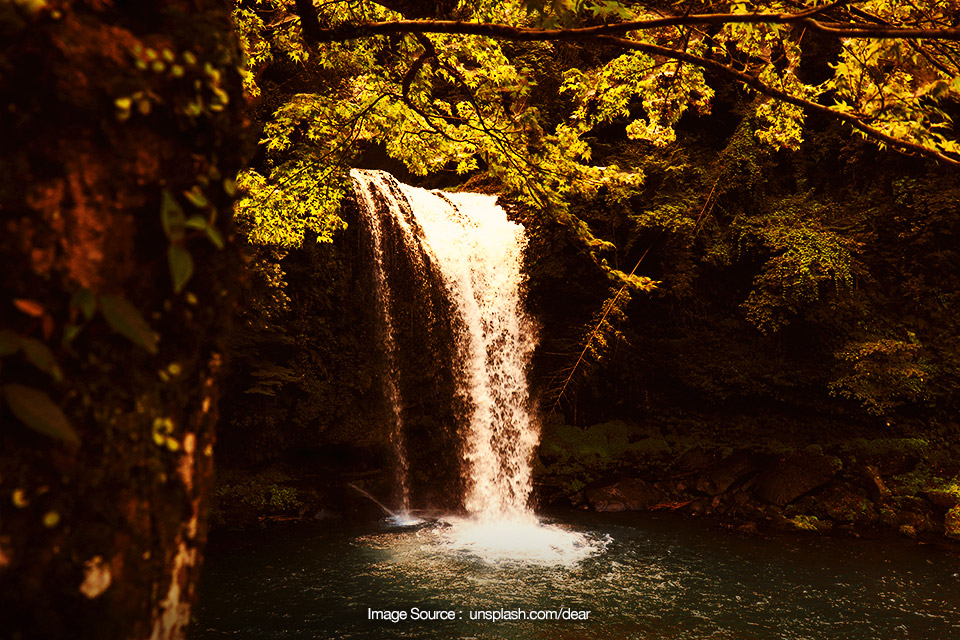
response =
{"points": [[743, 226]]}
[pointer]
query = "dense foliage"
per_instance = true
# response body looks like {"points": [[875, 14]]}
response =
{"points": [[576, 111]]}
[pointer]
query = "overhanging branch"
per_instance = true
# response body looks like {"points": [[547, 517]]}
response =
{"points": [[613, 34], [506, 32], [762, 87]]}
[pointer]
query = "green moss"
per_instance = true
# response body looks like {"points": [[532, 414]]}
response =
{"points": [[863, 448], [607, 446], [257, 496], [806, 523], [925, 480]]}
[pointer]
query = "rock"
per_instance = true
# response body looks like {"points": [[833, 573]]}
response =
{"points": [[841, 502], [908, 511], [747, 527], [721, 475], [699, 507], [692, 461], [794, 476], [951, 524], [901, 519], [632, 494], [669, 485], [874, 484], [942, 499]]}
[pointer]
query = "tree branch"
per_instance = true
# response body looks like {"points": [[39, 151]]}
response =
{"points": [[309, 23], [493, 30], [610, 33], [756, 83], [428, 52]]}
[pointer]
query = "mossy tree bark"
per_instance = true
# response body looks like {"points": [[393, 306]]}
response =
{"points": [[111, 109]]}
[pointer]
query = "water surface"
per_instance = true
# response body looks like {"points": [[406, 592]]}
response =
{"points": [[648, 578]]}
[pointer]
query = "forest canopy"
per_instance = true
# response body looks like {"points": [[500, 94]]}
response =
{"points": [[468, 87]]}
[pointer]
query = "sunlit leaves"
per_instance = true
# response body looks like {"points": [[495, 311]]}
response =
{"points": [[302, 196], [883, 374], [464, 102], [804, 261], [900, 87]]}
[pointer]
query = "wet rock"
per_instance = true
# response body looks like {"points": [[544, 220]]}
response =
{"points": [[874, 484], [741, 498], [721, 475], [632, 494], [794, 476]]}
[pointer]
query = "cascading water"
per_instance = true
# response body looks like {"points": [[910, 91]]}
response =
{"points": [[363, 189], [477, 251], [479, 254]]}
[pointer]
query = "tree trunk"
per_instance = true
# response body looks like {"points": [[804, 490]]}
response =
{"points": [[111, 111]]}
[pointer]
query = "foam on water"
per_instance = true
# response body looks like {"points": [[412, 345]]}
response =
{"points": [[522, 540]]}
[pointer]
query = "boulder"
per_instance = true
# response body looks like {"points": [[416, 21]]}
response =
{"points": [[841, 502], [794, 476], [721, 475], [874, 484], [693, 460], [631, 494], [908, 513], [943, 499]]}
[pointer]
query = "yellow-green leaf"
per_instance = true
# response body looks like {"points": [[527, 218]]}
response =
{"points": [[39, 355], [171, 216], [215, 237], [126, 320], [181, 266], [36, 410], [196, 222], [196, 197]]}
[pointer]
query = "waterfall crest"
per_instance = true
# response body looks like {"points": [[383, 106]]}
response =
{"points": [[477, 252]]}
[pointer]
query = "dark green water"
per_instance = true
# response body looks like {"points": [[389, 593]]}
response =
{"points": [[656, 578]]}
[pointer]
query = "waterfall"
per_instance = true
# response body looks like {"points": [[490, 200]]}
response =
{"points": [[364, 186], [477, 252]]}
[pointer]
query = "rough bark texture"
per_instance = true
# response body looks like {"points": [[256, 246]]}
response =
{"points": [[106, 104]]}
